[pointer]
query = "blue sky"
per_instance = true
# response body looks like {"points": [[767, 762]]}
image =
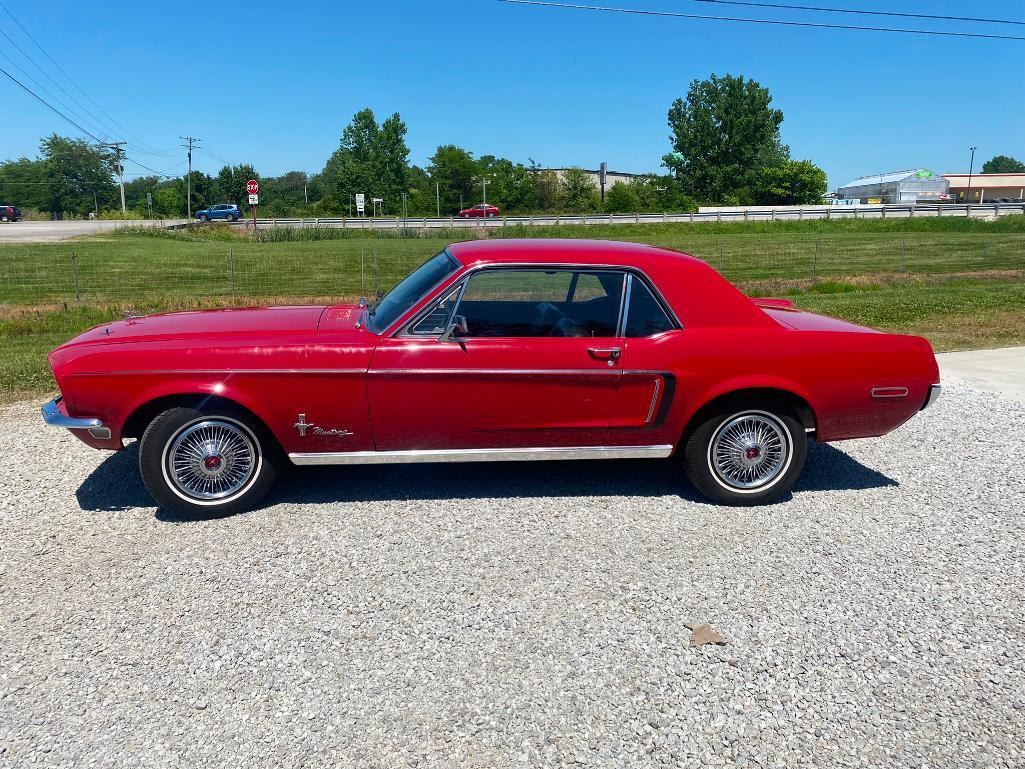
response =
{"points": [[274, 84]]}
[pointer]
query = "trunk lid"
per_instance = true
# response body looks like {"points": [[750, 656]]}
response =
{"points": [[784, 312]]}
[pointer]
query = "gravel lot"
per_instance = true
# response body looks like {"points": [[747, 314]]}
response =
{"points": [[523, 615]]}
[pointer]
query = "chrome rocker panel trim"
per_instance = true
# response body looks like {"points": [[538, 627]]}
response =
{"points": [[53, 417], [481, 455]]}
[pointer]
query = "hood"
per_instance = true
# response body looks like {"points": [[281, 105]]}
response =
{"points": [[207, 324]]}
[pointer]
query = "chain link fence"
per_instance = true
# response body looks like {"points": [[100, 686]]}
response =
{"points": [[98, 272]]}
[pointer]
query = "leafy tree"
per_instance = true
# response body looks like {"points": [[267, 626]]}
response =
{"points": [[78, 175], [547, 189], [283, 195], [510, 185], [793, 182], [455, 170], [372, 159], [1003, 164], [578, 190], [723, 134], [23, 183], [135, 192], [392, 160], [230, 185], [621, 199]]}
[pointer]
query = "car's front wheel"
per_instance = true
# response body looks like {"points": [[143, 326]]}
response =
{"points": [[4, 218], [203, 218], [746, 456], [209, 463]]}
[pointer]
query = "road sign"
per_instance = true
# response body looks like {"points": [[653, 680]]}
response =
{"points": [[361, 203], [253, 187], [254, 200]]}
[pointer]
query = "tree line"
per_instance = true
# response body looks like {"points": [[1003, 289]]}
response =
{"points": [[725, 149]]}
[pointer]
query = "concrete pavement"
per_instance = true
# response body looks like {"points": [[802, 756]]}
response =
{"points": [[42, 232], [999, 371]]}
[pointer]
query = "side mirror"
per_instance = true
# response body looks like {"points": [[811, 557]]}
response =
{"points": [[456, 328]]}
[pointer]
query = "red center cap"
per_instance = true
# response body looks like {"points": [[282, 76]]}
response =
{"points": [[753, 453], [212, 462]]}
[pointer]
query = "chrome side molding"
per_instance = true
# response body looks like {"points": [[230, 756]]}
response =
{"points": [[480, 455]]}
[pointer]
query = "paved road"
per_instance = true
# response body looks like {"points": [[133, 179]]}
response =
{"points": [[999, 371], [986, 211], [28, 232], [42, 232]]}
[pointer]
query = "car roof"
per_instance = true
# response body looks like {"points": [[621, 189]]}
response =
{"points": [[698, 294], [569, 251]]}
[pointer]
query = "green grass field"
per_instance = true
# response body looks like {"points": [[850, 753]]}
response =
{"points": [[958, 282]]}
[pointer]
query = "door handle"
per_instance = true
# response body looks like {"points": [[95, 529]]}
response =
{"points": [[610, 354]]}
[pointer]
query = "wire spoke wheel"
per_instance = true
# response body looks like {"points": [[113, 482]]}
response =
{"points": [[749, 451], [211, 459]]}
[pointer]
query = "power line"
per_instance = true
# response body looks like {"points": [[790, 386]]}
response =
{"points": [[70, 79], [47, 104], [778, 22], [84, 110], [862, 12], [50, 93], [153, 170]]}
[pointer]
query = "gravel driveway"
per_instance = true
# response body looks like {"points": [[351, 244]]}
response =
{"points": [[523, 615]]}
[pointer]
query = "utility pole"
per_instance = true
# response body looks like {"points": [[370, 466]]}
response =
{"points": [[971, 167], [118, 148], [189, 145]]}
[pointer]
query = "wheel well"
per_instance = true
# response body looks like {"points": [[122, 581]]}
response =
{"points": [[136, 423], [761, 397]]}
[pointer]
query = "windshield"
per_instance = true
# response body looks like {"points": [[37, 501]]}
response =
{"points": [[410, 289]]}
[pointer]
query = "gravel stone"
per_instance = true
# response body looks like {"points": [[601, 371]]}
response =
{"points": [[522, 615]]}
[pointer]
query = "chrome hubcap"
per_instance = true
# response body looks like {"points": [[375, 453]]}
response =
{"points": [[211, 459], [749, 451]]}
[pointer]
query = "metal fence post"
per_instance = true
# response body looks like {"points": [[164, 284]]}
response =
{"points": [[815, 262], [74, 276], [902, 256], [722, 260], [231, 270]]}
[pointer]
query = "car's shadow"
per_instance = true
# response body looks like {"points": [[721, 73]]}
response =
{"points": [[116, 485]]}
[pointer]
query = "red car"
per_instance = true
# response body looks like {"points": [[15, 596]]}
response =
{"points": [[481, 210], [492, 350]]}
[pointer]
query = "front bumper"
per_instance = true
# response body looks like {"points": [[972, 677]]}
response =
{"points": [[53, 416], [934, 395]]}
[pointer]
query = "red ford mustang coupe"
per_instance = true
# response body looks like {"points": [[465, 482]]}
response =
{"points": [[492, 350]]}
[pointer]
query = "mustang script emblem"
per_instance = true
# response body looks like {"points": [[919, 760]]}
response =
{"points": [[302, 426]]}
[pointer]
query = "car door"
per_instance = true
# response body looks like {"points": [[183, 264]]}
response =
{"points": [[535, 363], [651, 342]]}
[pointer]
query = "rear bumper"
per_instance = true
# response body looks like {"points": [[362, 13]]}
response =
{"points": [[932, 397], [54, 416]]}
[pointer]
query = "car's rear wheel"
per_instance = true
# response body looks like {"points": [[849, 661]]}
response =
{"points": [[746, 456], [231, 217], [4, 218], [209, 463]]}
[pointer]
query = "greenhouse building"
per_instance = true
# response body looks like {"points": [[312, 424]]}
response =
{"points": [[917, 185]]}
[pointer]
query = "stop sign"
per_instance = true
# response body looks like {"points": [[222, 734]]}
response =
{"points": [[253, 187]]}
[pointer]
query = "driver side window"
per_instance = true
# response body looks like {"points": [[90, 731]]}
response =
{"points": [[541, 303]]}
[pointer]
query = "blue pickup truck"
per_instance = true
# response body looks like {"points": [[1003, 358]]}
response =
{"points": [[220, 211]]}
